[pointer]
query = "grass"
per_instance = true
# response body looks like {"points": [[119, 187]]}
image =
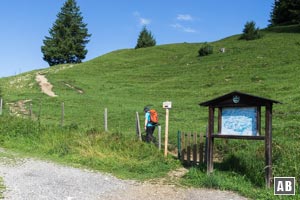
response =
{"points": [[115, 153], [124, 81], [228, 180]]}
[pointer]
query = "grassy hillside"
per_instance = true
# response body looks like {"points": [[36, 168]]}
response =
{"points": [[124, 81]]}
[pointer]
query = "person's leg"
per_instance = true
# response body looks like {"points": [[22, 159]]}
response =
{"points": [[152, 128], [148, 133]]}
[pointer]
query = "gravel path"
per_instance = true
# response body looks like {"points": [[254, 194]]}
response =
{"points": [[31, 179]]}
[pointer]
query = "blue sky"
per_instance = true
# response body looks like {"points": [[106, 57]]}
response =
{"points": [[116, 24]]}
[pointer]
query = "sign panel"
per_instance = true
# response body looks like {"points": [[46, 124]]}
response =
{"points": [[167, 104], [239, 121]]}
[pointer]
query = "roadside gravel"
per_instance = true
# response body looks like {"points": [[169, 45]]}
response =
{"points": [[31, 179]]}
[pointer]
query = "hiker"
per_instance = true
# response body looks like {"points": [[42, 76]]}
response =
{"points": [[149, 127]]}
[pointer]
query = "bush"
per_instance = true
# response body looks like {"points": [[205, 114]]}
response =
{"points": [[205, 50], [250, 32]]}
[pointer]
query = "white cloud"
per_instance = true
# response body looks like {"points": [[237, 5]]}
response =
{"points": [[142, 21], [183, 28], [184, 17]]}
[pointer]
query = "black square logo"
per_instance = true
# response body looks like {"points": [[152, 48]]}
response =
{"points": [[284, 185]]}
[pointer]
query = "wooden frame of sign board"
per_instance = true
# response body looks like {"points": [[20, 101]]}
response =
{"points": [[239, 117]]}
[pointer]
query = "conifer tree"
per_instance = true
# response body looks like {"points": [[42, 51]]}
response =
{"points": [[145, 39], [250, 32], [68, 37], [285, 12]]}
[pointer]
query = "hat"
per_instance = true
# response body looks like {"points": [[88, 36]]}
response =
{"points": [[146, 109]]}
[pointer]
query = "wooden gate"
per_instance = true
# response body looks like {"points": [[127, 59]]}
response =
{"points": [[191, 148]]}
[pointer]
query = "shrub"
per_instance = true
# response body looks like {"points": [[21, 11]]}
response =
{"points": [[250, 32], [205, 50]]}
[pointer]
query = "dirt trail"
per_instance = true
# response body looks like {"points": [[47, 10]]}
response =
{"points": [[45, 85], [35, 179]]}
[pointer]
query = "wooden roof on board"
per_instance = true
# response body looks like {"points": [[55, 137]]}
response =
{"points": [[238, 99]]}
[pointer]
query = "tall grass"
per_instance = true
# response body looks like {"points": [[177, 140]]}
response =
{"points": [[123, 156]]}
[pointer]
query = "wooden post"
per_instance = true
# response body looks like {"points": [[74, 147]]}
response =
{"points": [[105, 120], [62, 114], [183, 146], [159, 137], [258, 120], [195, 149], [188, 158], [201, 149], [179, 144], [1, 103], [219, 119], [210, 140], [167, 105], [166, 132], [138, 127], [268, 146]]}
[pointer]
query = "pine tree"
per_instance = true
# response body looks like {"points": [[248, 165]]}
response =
{"points": [[145, 39], [250, 32], [285, 12], [68, 37]]}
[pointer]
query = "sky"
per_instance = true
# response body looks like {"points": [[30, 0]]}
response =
{"points": [[116, 24]]}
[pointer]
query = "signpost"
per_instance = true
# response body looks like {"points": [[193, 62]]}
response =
{"points": [[167, 105], [239, 117]]}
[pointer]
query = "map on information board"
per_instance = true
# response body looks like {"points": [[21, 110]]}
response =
{"points": [[239, 121]]}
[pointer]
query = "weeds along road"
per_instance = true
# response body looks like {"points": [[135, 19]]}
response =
{"points": [[31, 179]]}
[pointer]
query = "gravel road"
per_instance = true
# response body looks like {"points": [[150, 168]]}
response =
{"points": [[31, 179]]}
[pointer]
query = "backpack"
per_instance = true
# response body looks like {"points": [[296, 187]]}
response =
{"points": [[153, 117]]}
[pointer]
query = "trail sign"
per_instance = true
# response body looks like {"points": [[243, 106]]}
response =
{"points": [[167, 105], [239, 117]]}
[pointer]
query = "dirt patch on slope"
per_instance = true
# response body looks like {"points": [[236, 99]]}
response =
{"points": [[46, 87], [19, 108]]}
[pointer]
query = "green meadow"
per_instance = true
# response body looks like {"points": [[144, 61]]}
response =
{"points": [[124, 81]]}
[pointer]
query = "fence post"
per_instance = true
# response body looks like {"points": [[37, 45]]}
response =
{"points": [[62, 114], [105, 120], [138, 127], [179, 144], [159, 137], [1, 102], [206, 148], [188, 158], [195, 149], [201, 147], [183, 146]]}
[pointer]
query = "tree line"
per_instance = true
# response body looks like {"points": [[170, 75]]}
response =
{"points": [[69, 35]]}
